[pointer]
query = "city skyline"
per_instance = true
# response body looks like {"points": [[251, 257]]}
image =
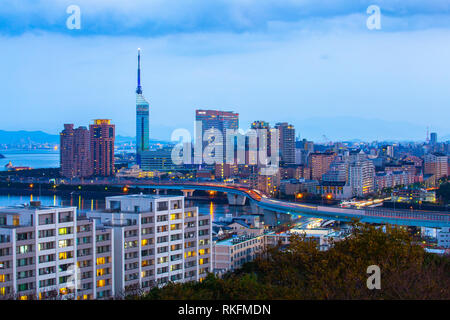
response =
{"points": [[341, 79], [227, 150]]}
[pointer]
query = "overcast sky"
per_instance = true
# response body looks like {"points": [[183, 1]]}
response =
{"points": [[312, 63]]}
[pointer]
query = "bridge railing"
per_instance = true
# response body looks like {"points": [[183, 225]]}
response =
{"points": [[429, 216]]}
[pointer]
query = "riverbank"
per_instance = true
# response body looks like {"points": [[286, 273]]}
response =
{"points": [[96, 191]]}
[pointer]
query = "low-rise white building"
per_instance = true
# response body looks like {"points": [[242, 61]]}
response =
{"points": [[443, 237]]}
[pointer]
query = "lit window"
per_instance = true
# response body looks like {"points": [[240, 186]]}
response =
{"points": [[63, 255], [63, 243], [101, 260], [63, 231], [101, 283]]}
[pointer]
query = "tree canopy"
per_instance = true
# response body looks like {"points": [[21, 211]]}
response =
{"points": [[444, 192], [302, 271]]}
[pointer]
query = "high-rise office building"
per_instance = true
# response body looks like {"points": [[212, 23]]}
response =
{"points": [[433, 138], [102, 136], [75, 152], [160, 160], [302, 150], [66, 151], [142, 117], [287, 142], [220, 120], [263, 141]]}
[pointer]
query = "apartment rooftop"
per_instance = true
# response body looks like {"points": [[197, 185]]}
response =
{"points": [[236, 240], [143, 197], [27, 207]]}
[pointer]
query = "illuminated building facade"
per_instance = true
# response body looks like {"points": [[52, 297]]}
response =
{"points": [[102, 136], [156, 240], [220, 120], [287, 143], [320, 163], [142, 117], [75, 152], [48, 251]]}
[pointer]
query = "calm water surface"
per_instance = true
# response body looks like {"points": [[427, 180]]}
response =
{"points": [[30, 158], [83, 202]]}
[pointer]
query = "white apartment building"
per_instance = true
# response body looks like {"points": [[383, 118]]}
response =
{"points": [[361, 177], [231, 254], [49, 251], [443, 238], [156, 240]]}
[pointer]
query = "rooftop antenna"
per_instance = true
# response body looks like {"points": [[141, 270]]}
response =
{"points": [[428, 136], [139, 87]]}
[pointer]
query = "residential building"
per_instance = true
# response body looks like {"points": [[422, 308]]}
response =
{"points": [[224, 171], [361, 177], [443, 238], [221, 121], [338, 172], [48, 252], [102, 136], [436, 164], [156, 239], [232, 253], [75, 152], [286, 133], [320, 163]]}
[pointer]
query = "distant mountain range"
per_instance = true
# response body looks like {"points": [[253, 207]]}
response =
{"points": [[40, 137], [344, 128], [321, 129], [23, 137]]}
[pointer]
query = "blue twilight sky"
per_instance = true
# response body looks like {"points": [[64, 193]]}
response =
{"points": [[312, 63]]}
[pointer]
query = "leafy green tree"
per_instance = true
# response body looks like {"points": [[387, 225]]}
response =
{"points": [[444, 192], [302, 271]]}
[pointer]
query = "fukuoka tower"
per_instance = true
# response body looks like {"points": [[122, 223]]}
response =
{"points": [[142, 115]]}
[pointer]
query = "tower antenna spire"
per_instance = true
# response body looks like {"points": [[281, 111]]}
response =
{"points": [[139, 87]]}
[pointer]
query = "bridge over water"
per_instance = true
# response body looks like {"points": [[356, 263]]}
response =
{"points": [[238, 195]]}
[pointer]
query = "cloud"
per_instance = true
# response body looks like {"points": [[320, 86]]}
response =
{"points": [[162, 17], [281, 77]]}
